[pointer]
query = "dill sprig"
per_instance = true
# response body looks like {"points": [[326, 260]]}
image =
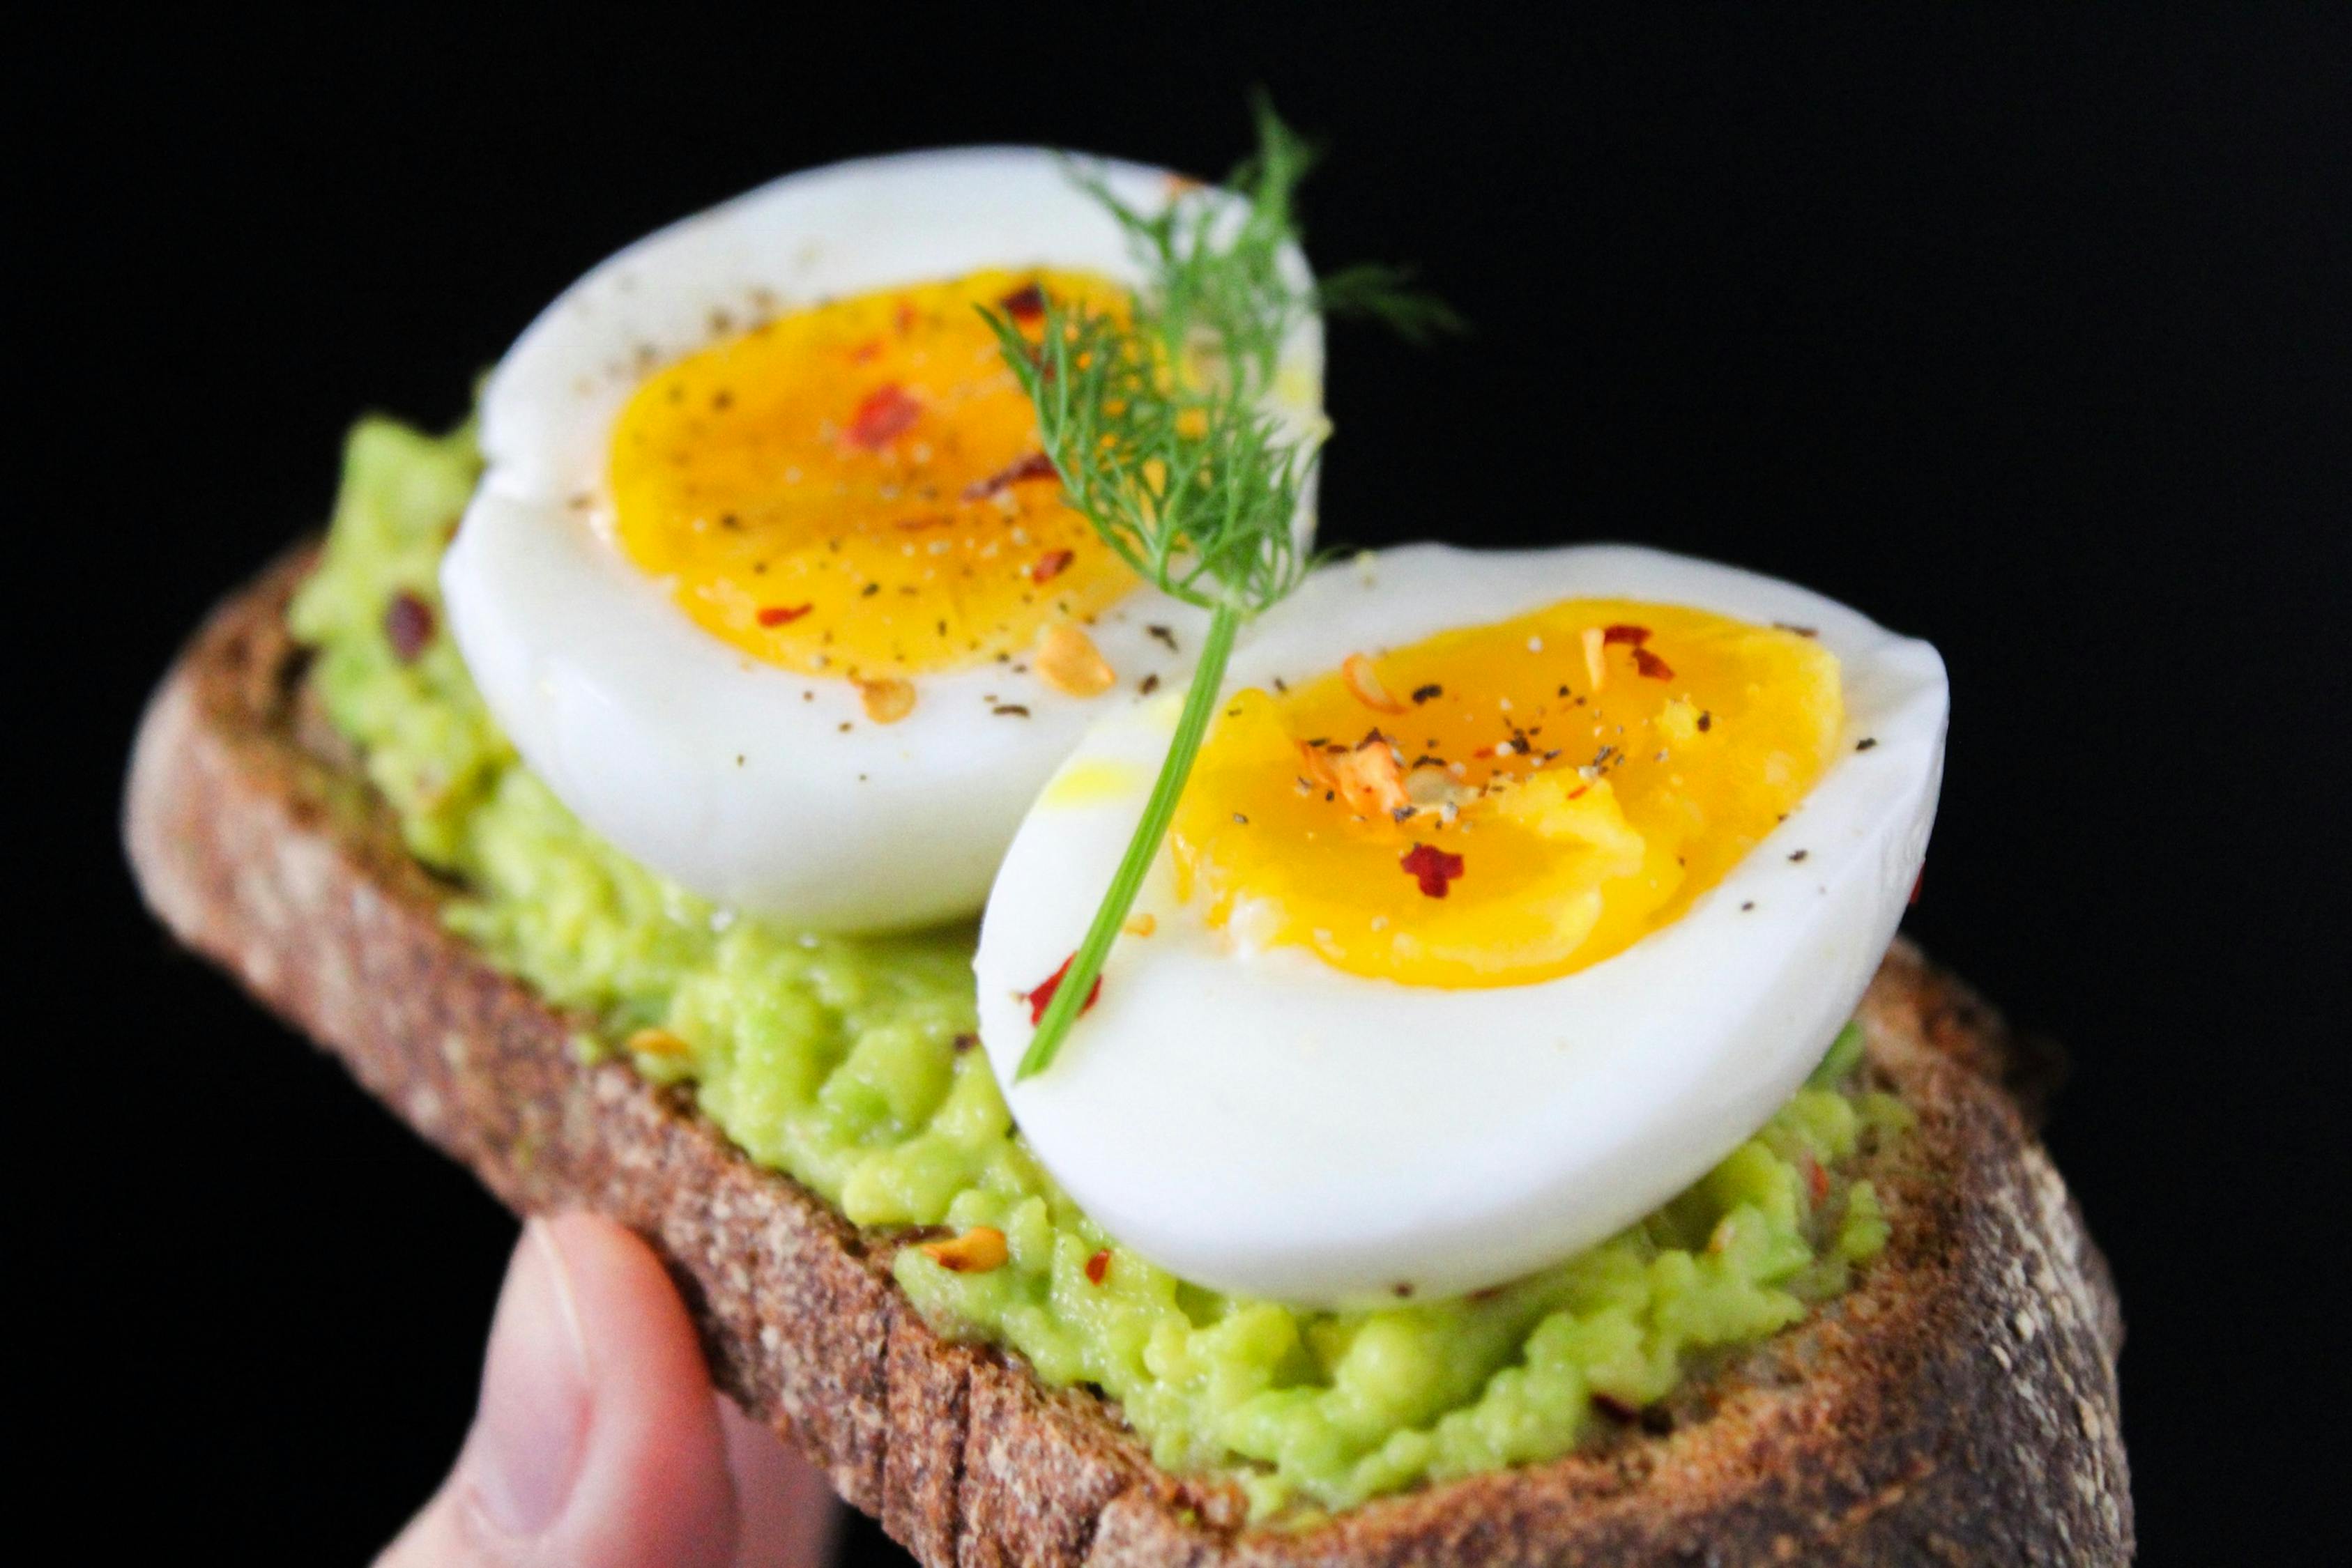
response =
{"points": [[1158, 423], [1195, 488]]}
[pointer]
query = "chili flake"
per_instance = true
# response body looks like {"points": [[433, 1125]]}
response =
{"points": [[1027, 303], [1098, 1267], [1636, 635], [1020, 471], [888, 412], [407, 626], [1434, 868], [783, 615], [1050, 565], [1648, 664], [1042, 997], [1366, 775], [1817, 1180]]}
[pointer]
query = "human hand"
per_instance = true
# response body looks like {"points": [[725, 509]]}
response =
{"points": [[598, 1441]]}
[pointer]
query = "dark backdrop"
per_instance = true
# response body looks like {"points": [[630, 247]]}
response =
{"points": [[2026, 335]]}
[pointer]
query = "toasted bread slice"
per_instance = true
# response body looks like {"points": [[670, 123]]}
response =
{"points": [[1957, 1404]]}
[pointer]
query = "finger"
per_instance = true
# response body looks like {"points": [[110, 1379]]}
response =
{"points": [[786, 1515], [596, 1443]]}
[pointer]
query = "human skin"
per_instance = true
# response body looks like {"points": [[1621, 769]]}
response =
{"points": [[598, 1441]]}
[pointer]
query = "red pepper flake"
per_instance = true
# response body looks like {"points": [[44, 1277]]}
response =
{"points": [[1042, 997], [1098, 1267], [1020, 471], [1636, 635], [1648, 664], [783, 615], [407, 626], [1050, 565], [888, 412], [1433, 866], [1027, 303], [1817, 1180]]}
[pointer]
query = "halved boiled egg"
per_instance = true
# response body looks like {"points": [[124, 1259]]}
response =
{"points": [[767, 577], [1509, 892]]}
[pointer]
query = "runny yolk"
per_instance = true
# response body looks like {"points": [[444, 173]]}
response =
{"points": [[859, 489], [1476, 811]]}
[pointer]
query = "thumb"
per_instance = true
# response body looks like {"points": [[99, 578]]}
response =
{"points": [[597, 1442]]}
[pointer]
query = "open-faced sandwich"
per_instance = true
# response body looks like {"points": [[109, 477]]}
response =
{"points": [[1429, 1082]]}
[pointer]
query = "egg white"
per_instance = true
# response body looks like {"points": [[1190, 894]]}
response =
{"points": [[764, 790], [1263, 1122]]}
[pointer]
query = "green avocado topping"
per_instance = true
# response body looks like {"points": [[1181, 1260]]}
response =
{"points": [[850, 1065]]}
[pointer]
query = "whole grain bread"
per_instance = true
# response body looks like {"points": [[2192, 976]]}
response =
{"points": [[1957, 1404]]}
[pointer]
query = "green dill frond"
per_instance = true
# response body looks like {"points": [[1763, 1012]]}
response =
{"points": [[1195, 489], [1376, 291]]}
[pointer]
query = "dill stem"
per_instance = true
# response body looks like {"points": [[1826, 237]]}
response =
{"points": [[1192, 725]]}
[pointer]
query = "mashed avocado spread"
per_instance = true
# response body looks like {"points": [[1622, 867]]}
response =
{"points": [[849, 1064]]}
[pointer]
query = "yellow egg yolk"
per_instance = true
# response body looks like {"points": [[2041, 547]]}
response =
{"points": [[859, 489], [1505, 803]]}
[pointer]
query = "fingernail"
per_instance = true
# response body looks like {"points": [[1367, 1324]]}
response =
{"points": [[524, 1454]]}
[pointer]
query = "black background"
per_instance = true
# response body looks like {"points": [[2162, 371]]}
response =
{"points": [[2027, 334]]}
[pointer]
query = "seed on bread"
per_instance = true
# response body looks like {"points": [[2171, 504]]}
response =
{"points": [[976, 1251]]}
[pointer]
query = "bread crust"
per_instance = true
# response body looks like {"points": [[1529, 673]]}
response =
{"points": [[1958, 1405]]}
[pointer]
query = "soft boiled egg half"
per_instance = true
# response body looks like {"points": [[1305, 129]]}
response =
{"points": [[767, 577], [1509, 892]]}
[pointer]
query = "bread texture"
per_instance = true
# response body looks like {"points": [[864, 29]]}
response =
{"points": [[1957, 1404]]}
